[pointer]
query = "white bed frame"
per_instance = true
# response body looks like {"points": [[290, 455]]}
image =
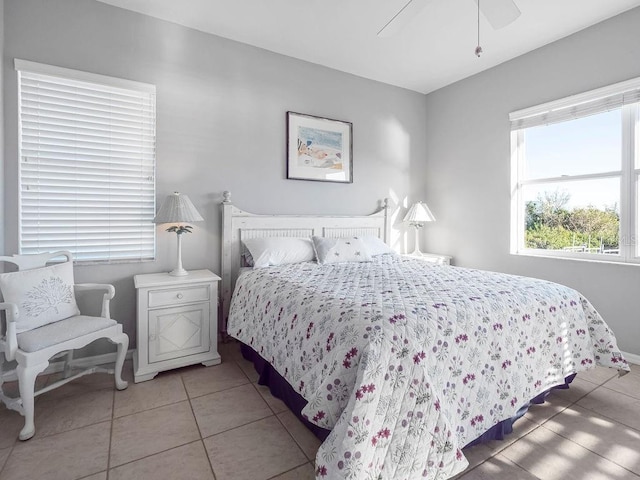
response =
{"points": [[238, 225]]}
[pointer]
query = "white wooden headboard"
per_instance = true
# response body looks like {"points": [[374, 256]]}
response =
{"points": [[238, 225]]}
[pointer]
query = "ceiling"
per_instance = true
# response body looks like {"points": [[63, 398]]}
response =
{"points": [[435, 49]]}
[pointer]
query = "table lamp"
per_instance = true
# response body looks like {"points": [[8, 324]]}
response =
{"points": [[178, 209], [417, 216]]}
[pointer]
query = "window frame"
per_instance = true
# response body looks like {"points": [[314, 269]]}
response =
{"points": [[110, 86], [624, 95]]}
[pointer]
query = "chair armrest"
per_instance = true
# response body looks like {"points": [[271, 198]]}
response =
{"points": [[12, 310], [109, 290], [11, 338], [83, 287]]}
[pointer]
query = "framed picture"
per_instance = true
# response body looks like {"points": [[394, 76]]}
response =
{"points": [[319, 149]]}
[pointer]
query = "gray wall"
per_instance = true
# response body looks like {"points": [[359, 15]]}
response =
{"points": [[2, 62], [220, 123], [468, 161]]}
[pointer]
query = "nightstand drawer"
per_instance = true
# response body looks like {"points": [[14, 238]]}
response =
{"points": [[173, 296]]}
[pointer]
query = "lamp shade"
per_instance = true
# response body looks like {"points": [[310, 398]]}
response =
{"points": [[419, 213], [177, 208]]}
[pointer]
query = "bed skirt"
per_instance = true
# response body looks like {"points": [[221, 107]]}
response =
{"points": [[281, 389]]}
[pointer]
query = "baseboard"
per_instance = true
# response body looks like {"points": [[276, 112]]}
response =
{"points": [[83, 362], [631, 358]]}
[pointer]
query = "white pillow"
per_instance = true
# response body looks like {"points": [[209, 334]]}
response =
{"points": [[270, 251], [338, 250], [43, 295], [376, 246]]}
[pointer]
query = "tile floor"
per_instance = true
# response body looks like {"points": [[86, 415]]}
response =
{"points": [[217, 423]]}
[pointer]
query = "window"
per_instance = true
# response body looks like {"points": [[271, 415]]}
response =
{"points": [[575, 176], [87, 164]]}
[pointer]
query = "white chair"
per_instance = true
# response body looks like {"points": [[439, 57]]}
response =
{"points": [[27, 350]]}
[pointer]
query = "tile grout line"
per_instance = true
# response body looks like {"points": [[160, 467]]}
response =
{"points": [[239, 426], [6, 461], [129, 462], [113, 412], [611, 418], [287, 471], [269, 416], [152, 408], [560, 435], [195, 419], [278, 419], [96, 422], [592, 451], [503, 449], [293, 438], [277, 416], [254, 385], [617, 391], [507, 445], [231, 428], [188, 398]]}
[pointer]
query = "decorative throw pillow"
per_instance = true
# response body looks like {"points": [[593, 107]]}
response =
{"points": [[43, 295], [376, 246], [247, 259], [338, 250], [270, 251]]}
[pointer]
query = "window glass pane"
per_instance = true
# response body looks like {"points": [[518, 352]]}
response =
{"points": [[575, 216], [586, 145]]}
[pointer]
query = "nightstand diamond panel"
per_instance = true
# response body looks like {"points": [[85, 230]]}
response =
{"points": [[179, 331]]}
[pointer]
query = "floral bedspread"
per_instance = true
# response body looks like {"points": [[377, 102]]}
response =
{"points": [[407, 362]]}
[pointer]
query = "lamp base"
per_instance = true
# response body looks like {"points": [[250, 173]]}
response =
{"points": [[178, 272], [416, 250]]}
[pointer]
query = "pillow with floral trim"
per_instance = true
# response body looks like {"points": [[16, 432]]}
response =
{"points": [[339, 250], [43, 295]]}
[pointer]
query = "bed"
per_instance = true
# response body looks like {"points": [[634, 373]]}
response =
{"points": [[400, 363]]}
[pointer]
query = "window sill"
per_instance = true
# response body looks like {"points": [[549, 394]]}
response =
{"points": [[632, 263]]}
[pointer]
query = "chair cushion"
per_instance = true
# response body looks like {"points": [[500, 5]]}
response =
{"points": [[43, 295], [60, 332]]}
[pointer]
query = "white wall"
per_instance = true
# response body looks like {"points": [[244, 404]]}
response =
{"points": [[468, 163], [220, 123]]}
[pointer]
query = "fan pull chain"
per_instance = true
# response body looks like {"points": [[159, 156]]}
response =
{"points": [[478, 48]]}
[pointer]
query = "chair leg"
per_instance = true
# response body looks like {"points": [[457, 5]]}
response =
{"points": [[26, 383], [123, 344], [67, 364]]}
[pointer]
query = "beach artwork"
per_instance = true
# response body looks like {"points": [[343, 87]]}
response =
{"points": [[318, 148]]}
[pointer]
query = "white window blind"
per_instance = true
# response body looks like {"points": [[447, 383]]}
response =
{"points": [[87, 164], [577, 106]]}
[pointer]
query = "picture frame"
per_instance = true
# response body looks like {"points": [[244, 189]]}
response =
{"points": [[319, 149]]}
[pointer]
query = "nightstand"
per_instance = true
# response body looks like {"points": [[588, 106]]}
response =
{"points": [[177, 322], [431, 258]]}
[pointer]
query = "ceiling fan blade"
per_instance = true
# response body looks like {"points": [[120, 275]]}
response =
{"points": [[403, 17], [499, 13]]}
